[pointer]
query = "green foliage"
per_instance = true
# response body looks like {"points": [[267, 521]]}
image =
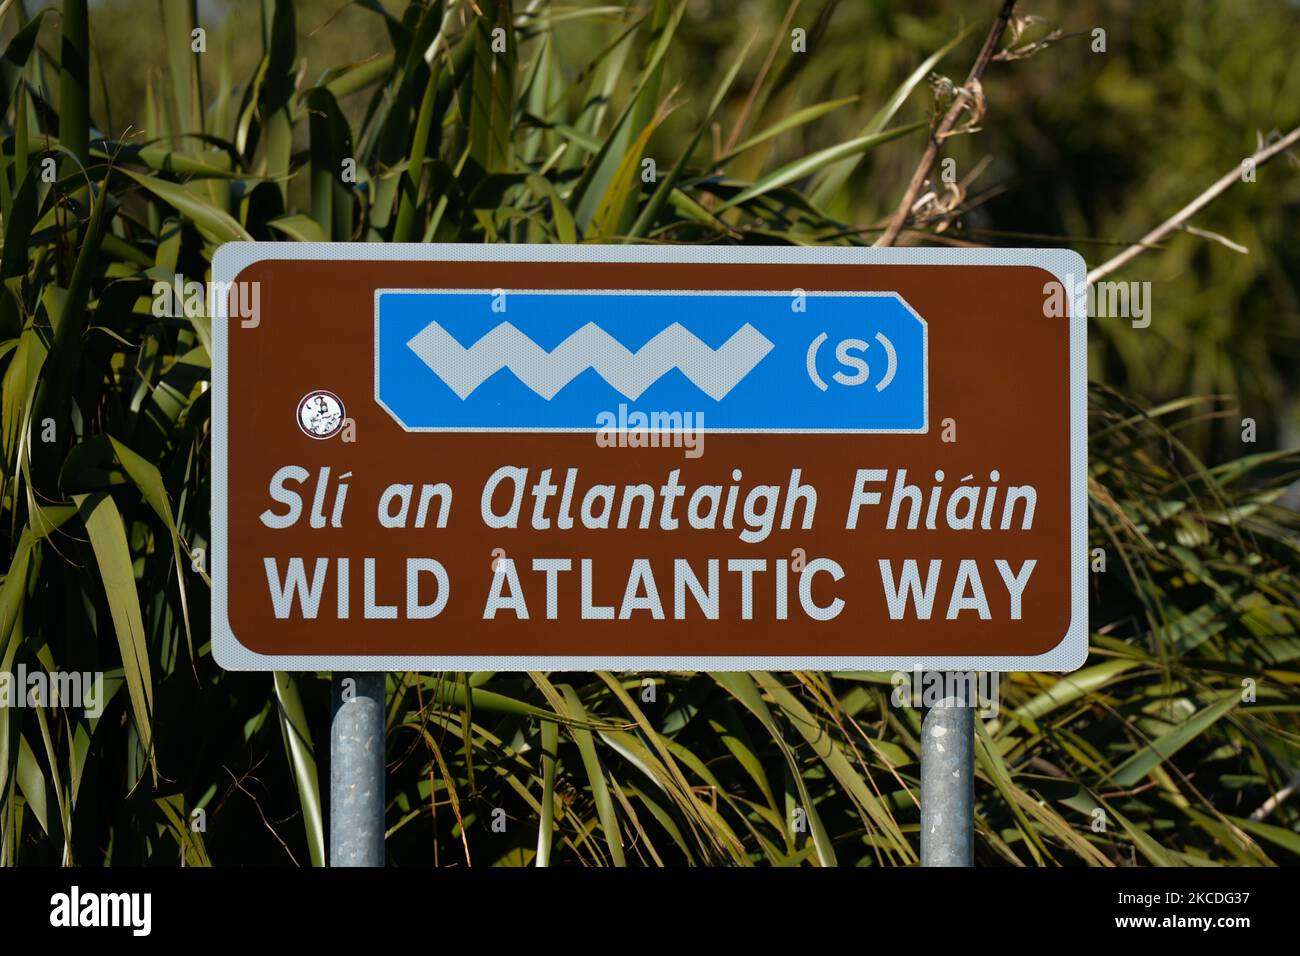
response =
{"points": [[105, 483]]}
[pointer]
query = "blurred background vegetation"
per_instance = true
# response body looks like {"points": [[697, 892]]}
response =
{"points": [[1086, 150], [163, 153]]}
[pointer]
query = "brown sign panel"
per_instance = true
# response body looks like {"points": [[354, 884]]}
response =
{"points": [[553, 457]]}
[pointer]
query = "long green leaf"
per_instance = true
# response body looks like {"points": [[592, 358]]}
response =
{"points": [[596, 778], [74, 69], [1158, 751], [217, 225], [302, 762], [113, 557], [808, 165]]}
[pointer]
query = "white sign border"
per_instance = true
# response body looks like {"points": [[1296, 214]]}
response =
{"points": [[1065, 265]]}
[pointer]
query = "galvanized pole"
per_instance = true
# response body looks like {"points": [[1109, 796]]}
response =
{"points": [[948, 777], [357, 770]]}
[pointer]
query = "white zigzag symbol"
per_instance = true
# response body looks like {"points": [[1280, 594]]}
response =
{"points": [[714, 372]]}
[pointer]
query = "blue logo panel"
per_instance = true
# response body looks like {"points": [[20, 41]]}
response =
{"points": [[555, 361]]}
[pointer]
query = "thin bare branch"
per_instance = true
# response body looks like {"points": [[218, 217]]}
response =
{"points": [[1179, 219], [967, 95], [1273, 802], [1217, 237]]}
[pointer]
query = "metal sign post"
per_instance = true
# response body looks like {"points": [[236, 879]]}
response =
{"points": [[357, 770], [948, 780]]}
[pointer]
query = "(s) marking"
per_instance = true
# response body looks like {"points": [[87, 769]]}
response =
{"points": [[893, 362], [812, 361]]}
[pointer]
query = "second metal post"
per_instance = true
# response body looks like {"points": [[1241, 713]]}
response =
{"points": [[948, 777], [357, 770]]}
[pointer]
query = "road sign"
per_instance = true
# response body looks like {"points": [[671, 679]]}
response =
{"points": [[648, 458]]}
